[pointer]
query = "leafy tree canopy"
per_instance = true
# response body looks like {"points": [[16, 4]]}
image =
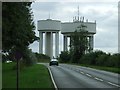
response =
{"points": [[18, 31], [17, 25], [79, 43]]}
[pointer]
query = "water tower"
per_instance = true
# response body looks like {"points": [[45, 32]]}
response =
{"points": [[49, 27], [69, 27]]}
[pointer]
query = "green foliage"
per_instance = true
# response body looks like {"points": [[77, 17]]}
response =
{"points": [[114, 60], [42, 57], [17, 29], [29, 57], [100, 58], [65, 57], [103, 60], [36, 76], [17, 25], [110, 69], [108, 60], [79, 43], [90, 58], [4, 58]]}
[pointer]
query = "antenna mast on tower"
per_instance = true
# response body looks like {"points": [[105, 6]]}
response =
{"points": [[78, 12], [77, 18], [49, 15]]}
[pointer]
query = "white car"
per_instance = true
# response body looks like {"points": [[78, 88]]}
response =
{"points": [[53, 62]]}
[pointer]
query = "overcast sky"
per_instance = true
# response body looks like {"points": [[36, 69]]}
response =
{"points": [[105, 13]]}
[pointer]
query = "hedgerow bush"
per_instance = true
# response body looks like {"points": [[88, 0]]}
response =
{"points": [[65, 57], [90, 58], [100, 58]]}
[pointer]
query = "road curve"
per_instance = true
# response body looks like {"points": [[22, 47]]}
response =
{"points": [[77, 77]]}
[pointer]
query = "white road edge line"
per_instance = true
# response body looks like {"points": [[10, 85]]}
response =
{"points": [[52, 79], [113, 84]]}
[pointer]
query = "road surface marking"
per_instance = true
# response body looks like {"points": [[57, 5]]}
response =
{"points": [[88, 75], [52, 79], [98, 79], [82, 72], [114, 84]]}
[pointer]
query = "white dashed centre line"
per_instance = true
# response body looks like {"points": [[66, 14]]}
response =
{"points": [[114, 84], [98, 79], [88, 75], [82, 72]]}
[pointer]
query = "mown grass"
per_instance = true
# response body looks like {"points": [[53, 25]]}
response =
{"points": [[110, 69], [36, 76]]}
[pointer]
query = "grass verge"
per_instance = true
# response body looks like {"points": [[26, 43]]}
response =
{"points": [[36, 76], [110, 69]]}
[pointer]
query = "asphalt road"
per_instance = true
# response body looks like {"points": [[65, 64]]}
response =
{"points": [[77, 77]]}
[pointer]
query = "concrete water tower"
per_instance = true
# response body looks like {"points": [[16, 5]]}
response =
{"points": [[69, 27], [49, 27]]}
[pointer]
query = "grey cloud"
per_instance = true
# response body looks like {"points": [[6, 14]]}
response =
{"points": [[45, 6], [106, 20]]}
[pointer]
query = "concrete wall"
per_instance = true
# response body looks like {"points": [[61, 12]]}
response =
{"points": [[71, 27], [49, 25]]}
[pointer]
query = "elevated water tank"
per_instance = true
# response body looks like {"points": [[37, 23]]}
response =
{"points": [[49, 25]]}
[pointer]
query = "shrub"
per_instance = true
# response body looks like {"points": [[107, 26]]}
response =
{"points": [[85, 59], [29, 57], [42, 57], [103, 60], [65, 56], [4, 58], [114, 60], [90, 58]]}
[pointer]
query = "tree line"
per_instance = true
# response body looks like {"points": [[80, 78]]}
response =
{"points": [[97, 58]]}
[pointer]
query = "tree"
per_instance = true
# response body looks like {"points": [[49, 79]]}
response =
{"points": [[79, 43], [42, 57], [65, 56], [92, 58], [17, 26]]}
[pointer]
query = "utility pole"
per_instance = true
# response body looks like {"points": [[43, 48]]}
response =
{"points": [[18, 56]]}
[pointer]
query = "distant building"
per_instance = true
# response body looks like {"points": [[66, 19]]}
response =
{"points": [[69, 27], [50, 26]]}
